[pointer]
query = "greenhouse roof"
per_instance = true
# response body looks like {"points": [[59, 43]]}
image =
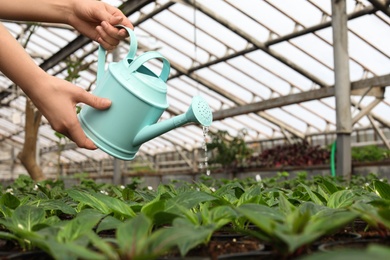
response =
{"points": [[265, 66]]}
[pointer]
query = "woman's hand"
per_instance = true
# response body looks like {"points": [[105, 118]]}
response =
{"points": [[57, 101], [97, 21]]}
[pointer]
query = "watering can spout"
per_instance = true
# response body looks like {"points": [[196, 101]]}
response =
{"points": [[199, 112]]}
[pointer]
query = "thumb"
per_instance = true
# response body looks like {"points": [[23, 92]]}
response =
{"points": [[95, 101], [114, 20]]}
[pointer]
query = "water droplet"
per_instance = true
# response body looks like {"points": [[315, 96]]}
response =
{"points": [[205, 163]]}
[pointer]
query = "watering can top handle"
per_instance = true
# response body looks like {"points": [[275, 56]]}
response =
{"points": [[138, 62], [130, 55]]}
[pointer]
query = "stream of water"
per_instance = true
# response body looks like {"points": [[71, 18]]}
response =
{"points": [[205, 163]]}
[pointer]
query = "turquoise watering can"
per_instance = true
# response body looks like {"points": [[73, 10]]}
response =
{"points": [[139, 97]]}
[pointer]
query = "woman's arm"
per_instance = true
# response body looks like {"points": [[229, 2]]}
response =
{"points": [[55, 11], [94, 19], [57, 98], [54, 97]]}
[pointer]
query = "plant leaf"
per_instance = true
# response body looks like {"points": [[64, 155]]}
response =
{"points": [[263, 217], [341, 199], [132, 236], [188, 200], [330, 187], [182, 234], [108, 223], [69, 251], [313, 196], [284, 205], [26, 217], [329, 220], [9, 200], [153, 207], [89, 199], [83, 223], [116, 205], [60, 205], [383, 189]]}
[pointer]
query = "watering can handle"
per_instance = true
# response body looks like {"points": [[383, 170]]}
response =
{"points": [[138, 62], [102, 53]]}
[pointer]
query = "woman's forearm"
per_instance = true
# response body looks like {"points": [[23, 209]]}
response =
{"points": [[17, 65], [36, 10]]}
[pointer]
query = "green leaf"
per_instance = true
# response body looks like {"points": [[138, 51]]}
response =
{"points": [[329, 220], [284, 205], [102, 245], [188, 200], [323, 193], [59, 205], [153, 207], [263, 217], [311, 207], [383, 189], [69, 251], [230, 192], [182, 234], [103, 203], [384, 215], [26, 217], [83, 223], [90, 200], [313, 196], [341, 199], [222, 213], [9, 200], [116, 205], [294, 241], [297, 219], [330, 187], [164, 218], [251, 195], [7, 236], [7, 212], [108, 223], [132, 236]]}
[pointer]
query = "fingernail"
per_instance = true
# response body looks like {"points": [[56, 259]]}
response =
{"points": [[106, 102]]}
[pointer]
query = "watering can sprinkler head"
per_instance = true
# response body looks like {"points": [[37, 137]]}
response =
{"points": [[199, 112]]}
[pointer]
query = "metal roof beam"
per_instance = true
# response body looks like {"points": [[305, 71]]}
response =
{"points": [[366, 110], [379, 132], [381, 5], [380, 81], [368, 10], [258, 44]]}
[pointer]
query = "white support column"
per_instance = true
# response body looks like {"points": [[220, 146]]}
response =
{"points": [[342, 88]]}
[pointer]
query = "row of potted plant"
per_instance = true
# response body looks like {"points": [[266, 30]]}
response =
{"points": [[104, 221], [233, 151]]}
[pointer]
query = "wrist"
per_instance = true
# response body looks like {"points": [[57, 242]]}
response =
{"points": [[68, 9]]}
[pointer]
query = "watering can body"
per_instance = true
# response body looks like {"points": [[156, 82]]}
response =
{"points": [[139, 97]]}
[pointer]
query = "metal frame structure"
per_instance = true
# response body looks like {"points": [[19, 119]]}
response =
{"points": [[263, 65]]}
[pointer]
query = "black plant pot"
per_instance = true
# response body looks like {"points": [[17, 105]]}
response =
{"points": [[184, 258], [254, 255], [31, 255], [227, 236], [344, 236], [353, 244], [258, 253]]}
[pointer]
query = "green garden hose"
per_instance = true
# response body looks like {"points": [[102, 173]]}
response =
{"points": [[332, 159]]}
